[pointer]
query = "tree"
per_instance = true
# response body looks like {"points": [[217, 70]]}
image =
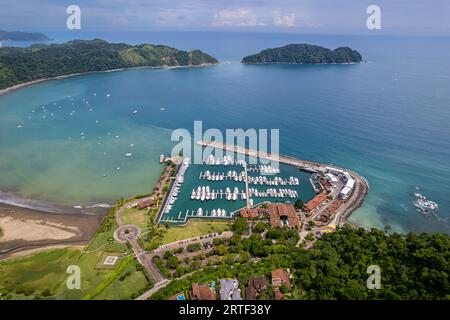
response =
{"points": [[299, 204], [240, 226], [172, 262]]}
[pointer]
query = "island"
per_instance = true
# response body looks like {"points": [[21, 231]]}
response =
{"points": [[22, 36], [304, 54], [42, 61]]}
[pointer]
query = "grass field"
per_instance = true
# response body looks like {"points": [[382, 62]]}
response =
{"points": [[123, 288], [194, 228], [135, 216]]}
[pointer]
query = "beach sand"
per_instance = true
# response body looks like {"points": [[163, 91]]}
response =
{"points": [[27, 229]]}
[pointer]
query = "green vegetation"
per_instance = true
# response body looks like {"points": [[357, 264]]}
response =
{"points": [[304, 53], [194, 228], [109, 279], [43, 275], [413, 266], [1, 233], [22, 36], [20, 65]]}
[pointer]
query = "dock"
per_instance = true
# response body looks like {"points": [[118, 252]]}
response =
{"points": [[361, 187]]}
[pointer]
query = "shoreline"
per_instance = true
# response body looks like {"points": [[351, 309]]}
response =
{"points": [[62, 77], [27, 229]]}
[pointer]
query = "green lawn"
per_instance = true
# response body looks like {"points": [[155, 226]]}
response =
{"points": [[125, 288], [135, 216], [194, 228]]}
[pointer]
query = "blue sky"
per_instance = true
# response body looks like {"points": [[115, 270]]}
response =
{"points": [[307, 16]]}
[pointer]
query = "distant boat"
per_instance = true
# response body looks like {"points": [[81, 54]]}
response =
{"points": [[108, 95], [128, 154], [135, 111]]}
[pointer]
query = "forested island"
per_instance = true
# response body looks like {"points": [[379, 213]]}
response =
{"points": [[22, 36], [40, 61], [304, 54]]}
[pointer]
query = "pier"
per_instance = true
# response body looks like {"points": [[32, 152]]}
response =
{"points": [[355, 200]]}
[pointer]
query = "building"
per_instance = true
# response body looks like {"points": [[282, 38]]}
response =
{"points": [[283, 214], [332, 179], [202, 291], [256, 286], [229, 290], [252, 213], [314, 202], [143, 204], [280, 277], [330, 210]]}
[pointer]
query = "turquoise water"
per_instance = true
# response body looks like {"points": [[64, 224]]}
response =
{"points": [[388, 119]]}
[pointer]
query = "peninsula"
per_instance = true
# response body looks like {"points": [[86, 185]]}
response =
{"points": [[39, 61], [304, 54], [22, 36]]}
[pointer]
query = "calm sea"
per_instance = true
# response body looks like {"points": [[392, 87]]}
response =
{"points": [[388, 119]]}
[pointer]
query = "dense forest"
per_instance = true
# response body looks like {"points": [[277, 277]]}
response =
{"points": [[413, 266], [304, 53], [22, 36], [20, 65]]}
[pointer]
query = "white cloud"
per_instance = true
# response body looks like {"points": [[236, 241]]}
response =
{"points": [[236, 18], [283, 21]]}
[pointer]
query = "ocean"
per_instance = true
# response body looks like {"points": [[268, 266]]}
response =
{"points": [[388, 119]]}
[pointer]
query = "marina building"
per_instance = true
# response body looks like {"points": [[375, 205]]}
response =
{"points": [[282, 214], [313, 203]]}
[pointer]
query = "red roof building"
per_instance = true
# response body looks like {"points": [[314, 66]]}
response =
{"points": [[283, 214], [202, 292], [315, 201]]}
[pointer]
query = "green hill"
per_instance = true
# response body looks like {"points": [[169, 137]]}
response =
{"points": [[22, 36], [20, 65], [305, 54]]}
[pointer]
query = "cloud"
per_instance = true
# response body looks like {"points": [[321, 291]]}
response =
{"points": [[283, 21], [236, 18]]}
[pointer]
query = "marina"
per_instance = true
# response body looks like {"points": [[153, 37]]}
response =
{"points": [[220, 187]]}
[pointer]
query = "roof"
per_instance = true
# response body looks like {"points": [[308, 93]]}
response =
{"points": [[277, 211], [145, 203], [345, 191], [202, 292], [350, 183], [256, 285], [229, 290], [314, 202], [280, 277]]}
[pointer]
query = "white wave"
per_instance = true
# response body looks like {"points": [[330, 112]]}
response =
{"points": [[100, 205]]}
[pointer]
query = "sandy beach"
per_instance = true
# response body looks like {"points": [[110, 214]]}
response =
{"points": [[27, 229]]}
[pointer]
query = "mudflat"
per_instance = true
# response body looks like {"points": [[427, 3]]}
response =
{"points": [[27, 229]]}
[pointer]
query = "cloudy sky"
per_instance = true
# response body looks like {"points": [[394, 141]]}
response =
{"points": [[308, 16]]}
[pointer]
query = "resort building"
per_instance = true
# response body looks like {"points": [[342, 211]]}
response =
{"points": [[313, 203], [256, 286], [229, 290], [280, 277], [282, 214], [202, 291]]}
